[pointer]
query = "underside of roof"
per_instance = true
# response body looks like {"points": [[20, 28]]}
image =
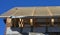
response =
{"points": [[33, 11]]}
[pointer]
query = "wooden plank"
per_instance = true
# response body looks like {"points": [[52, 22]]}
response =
{"points": [[41, 11]]}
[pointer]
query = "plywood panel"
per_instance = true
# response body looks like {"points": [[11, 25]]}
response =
{"points": [[34, 11]]}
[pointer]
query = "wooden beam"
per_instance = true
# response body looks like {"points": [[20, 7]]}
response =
{"points": [[50, 13], [21, 23], [8, 22], [52, 22], [4, 16], [33, 11], [31, 22]]}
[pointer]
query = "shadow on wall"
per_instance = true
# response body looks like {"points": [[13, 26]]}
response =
{"points": [[26, 30]]}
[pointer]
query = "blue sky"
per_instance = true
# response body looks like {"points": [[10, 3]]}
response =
{"points": [[5, 5], [8, 4]]}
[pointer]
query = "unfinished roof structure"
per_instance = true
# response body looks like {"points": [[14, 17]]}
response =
{"points": [[33, 11], [33, 16]]}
